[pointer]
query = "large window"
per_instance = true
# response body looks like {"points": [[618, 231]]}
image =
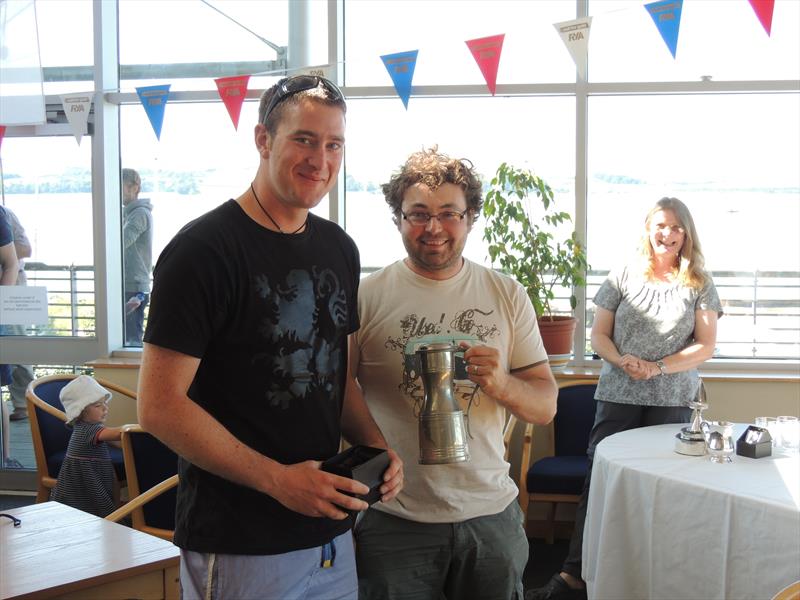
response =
{"points": [[738, 176], [718, 39], [486, 131], [47, 184], [643, 125]]}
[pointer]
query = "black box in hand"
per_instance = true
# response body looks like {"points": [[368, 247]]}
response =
{"points": [[364, 464]]}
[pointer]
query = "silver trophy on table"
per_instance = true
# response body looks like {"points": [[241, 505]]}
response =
{"points": [[442, 430], [691, 440]]}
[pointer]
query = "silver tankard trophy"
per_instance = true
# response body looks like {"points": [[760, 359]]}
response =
{"points": [[442, 430]]}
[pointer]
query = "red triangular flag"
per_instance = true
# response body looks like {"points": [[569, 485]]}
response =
{"points": [[764, 10], [486, 52], [233, 90], [2, 133]]}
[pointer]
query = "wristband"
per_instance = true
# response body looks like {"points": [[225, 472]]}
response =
{"points": [[661, 367]]}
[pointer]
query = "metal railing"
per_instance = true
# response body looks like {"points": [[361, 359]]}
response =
{"points": [[762, 308]]}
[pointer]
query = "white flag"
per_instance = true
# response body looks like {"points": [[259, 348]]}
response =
{"points": [[326, 71], [575, 35], [76, 107]]}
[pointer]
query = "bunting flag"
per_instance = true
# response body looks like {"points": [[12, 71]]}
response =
{"points": [[154, 100], [233, 90], [666, 15], [2, 133], [575, 35], [486, 52], [76, 107], [764, 10], [401, 69]]}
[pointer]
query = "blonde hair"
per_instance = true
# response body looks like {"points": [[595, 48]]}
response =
{"points": [[691, 263]]}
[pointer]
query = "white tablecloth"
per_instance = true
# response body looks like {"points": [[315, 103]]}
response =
{"points": [[664, 525]]}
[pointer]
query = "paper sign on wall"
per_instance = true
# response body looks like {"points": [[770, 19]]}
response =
{"points": [[575, 35], [154, 100], [401, 69], [486, 52], [233, 90], [764, 10], [76, 107], [666, 15], [23, 305]]}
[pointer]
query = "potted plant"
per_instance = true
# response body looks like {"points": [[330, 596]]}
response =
{"points": [[521, 240]]}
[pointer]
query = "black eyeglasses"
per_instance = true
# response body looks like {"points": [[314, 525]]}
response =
{"points": [[447, 217], [299, 83]]}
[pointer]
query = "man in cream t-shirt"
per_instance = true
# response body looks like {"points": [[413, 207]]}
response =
{"points": [[455, 530]]}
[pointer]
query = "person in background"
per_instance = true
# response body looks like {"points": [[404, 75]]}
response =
{"points": [[655, 322], [244, 368], [86, 478], [455, 530], [137, 256], [9, 267], [21, 375]]}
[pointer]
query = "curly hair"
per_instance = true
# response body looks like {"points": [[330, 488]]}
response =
{"points": [[319, 94], [433, 169], [691, 266]]}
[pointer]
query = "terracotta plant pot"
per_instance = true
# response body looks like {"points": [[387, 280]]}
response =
{"points": [[557, 335]]}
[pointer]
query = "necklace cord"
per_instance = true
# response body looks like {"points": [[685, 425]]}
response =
{"points": [[269, 216]]}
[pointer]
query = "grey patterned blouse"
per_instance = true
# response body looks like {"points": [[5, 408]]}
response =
{"points": [[651, 320]]}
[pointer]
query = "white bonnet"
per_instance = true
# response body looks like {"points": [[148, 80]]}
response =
{"points": [[80, 393]]}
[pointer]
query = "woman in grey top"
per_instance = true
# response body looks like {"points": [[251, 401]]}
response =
{"points": [[655, 322]]}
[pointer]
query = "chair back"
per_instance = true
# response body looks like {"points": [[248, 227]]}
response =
{"points": [[147, 463], [47, 420], [574, 418]]}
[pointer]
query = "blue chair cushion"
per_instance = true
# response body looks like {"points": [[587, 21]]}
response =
{"points": [[557, 475]]}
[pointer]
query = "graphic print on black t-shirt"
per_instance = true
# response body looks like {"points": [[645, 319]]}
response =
{"points": [[305, 323]]}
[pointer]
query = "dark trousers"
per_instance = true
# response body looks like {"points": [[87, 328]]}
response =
{"points": [[611, 418], [134, 321]]}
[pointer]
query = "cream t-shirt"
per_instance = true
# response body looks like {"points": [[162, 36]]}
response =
{"points": [[400, 310]]}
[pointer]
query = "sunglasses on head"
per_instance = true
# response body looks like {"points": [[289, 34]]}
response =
{"points": [[299, 83]]}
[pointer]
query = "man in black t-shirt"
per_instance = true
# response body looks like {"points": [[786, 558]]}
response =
{"points": [[244, 369]]}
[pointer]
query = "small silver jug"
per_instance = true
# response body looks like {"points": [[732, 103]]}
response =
{"points": [[442, 431], [719, 439]]}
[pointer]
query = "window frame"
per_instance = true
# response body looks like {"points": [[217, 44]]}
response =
{"points": [[106, 161]]}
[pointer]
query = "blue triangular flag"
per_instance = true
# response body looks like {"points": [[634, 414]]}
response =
{"points": [[401, 68], [154, 99], [666, 15]]}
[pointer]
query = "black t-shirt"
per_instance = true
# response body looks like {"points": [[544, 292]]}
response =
{"points": [[268, 314]]}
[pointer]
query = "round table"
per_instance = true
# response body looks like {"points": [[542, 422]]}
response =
{"points": [[664, 525]]}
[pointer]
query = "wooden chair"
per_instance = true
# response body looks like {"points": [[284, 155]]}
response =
{"points": [[49, 434], [790, 592], [559, 477], [149, 465], [138, 504], [518, 475]]}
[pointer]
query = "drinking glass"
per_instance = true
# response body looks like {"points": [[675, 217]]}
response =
{"points": [[771, 425], [790, 433]]}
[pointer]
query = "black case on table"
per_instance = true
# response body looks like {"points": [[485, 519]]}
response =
{"points": [[755, 442]]}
